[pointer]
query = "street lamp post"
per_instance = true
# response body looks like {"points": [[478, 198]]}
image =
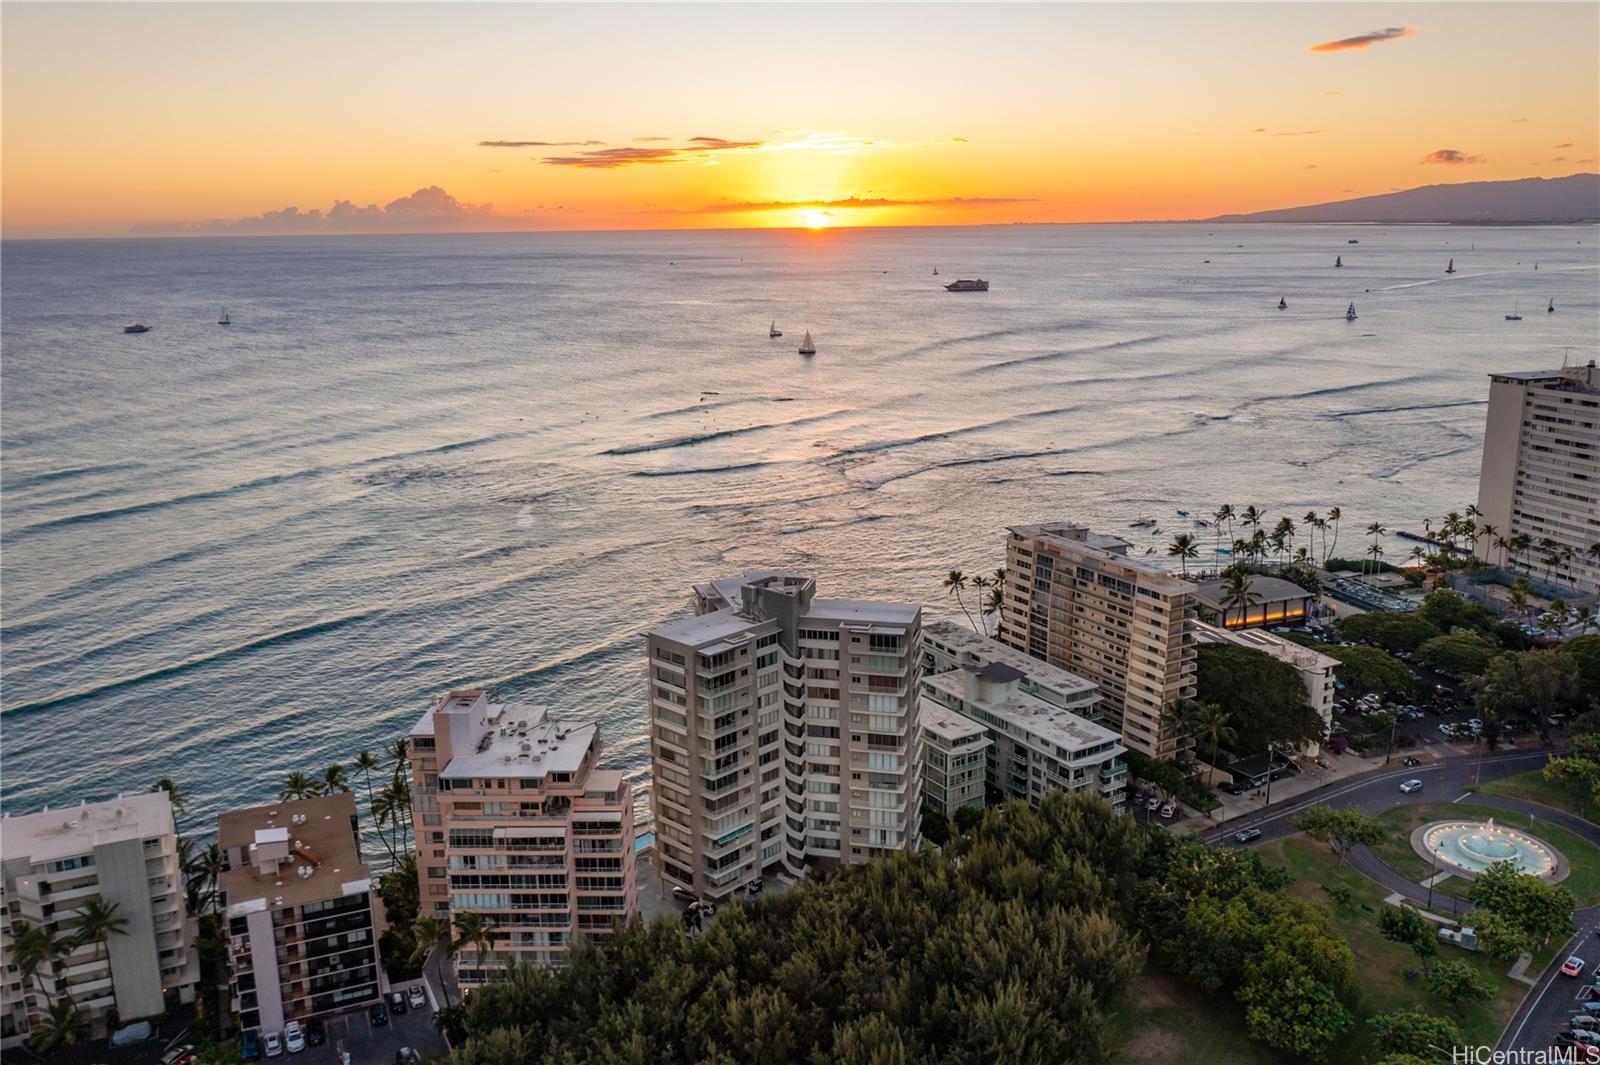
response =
{"points": [[1271, 749]]}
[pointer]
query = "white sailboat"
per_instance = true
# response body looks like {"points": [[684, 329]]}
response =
{"points": [[1350, 313], [1450, 267], [806, 346], [773, 330], [1338, 260], [1283, 304], [935, 271], [1552, 308]]}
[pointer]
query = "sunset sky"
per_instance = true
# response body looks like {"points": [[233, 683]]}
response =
{"points": [[214, 118]]}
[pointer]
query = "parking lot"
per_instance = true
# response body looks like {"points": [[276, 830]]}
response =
{"points": [[373, 1046]]}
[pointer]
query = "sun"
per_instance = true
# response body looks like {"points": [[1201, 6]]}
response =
{"points": [[818, 219]]}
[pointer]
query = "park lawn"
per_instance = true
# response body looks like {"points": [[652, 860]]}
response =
{"points": [[1381, 964], [1397, 853], [1163, 1021], [1533, 787]]}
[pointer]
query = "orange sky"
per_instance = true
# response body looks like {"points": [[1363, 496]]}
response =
{"points": [[247, 118]]}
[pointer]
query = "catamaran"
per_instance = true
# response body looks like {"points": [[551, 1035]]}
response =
{"points": [[1350, 313], [806, 346], [773, 330]]}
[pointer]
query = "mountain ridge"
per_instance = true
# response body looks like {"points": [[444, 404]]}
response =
{"points": [[1575, 198]]}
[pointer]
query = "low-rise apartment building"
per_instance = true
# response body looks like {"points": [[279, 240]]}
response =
{"points": [[301, 909], [783, 732], [124, 852], [1076, 599], [517, 821]]}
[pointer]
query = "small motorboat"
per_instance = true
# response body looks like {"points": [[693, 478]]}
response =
{"points": [[1352, 242], [1283, 304], [1201, 523], [1142, 523], [224, 320], [773, 330], [1350, 313], [1450, 267], [1183, 513], [1338, 260], [806, 346], [136, 327]]}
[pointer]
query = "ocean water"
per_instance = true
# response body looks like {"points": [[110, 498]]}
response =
{"points": [[417, 463]]}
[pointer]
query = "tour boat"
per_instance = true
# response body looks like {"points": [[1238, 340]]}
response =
{"points": [[979, 285], [136, 327], [806, 346], [224, 320], [1283, 304], [1450, 267], [773, 330], [1350, 313]]}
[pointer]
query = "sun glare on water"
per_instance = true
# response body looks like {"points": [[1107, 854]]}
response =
{"points": [[818, 220]]}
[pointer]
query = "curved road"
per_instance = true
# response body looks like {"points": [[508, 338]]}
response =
{"points": [[1546, 1009]]}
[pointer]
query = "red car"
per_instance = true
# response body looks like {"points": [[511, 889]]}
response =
{"points": [[1573, 967]]}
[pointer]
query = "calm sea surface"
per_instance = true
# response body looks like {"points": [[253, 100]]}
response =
{"points": [[417, 463]]}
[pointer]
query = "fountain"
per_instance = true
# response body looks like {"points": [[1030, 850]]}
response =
{"points": [[1467, 848]]}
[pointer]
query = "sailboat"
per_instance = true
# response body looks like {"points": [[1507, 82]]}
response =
{"points": [[1450, 267], [773, 330], [1552, 308], [1338, 260], [1516, 314], [1350, 313], [224, 320], [1283, 304], [935, 271], [806, 346]]}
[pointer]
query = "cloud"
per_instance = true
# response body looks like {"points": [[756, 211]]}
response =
{"points": [[430, 209], [854, 202], [1563, 144], [1288, 132], [1590, 159], [643, 139], [703, 150], [1517, 121], [1366, 40], [538, 144], [1451, 157], [715, 144], [1331, 92], [1309, 166], [1559, 159]]}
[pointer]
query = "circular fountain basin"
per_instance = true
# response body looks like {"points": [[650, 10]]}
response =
{"points": [[1466, 848]]}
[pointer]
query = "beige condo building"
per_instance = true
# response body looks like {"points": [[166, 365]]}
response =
{"points": [[1541, 474], [1077, 600], [783, 732]]}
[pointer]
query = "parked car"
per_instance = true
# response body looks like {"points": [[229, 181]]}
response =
{"points": [[1411, 785], [316, 1032], [1235, 788], [378, 1015], [407, 1056], [415, 998], [397, 1003], [1573, 966], [1410, 760], [754, 887], [1245, 835], [271, 1045], [1153, 803], [249, 1046], [1585, 1020], [1167, 810], [173, 1056], [294, 1037]]}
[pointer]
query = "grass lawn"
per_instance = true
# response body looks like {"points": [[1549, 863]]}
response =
{"points": [[1163, 1021], [1396, 851], [1382, 965], [1533, 787]]}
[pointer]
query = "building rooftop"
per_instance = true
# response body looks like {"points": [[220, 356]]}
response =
{"points": [[1257, 639], [1584, 378], [523, 741], [946, 723], [711, 633], [873, 612], [291, 853], [1112, 549], [53, 834], [981, 649], [1267, 590], [1046, 721]]}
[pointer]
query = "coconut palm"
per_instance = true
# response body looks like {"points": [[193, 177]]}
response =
{"points": [[1211, 722], [1489, 535], [955, 582], [365, 763], [1237, 593], [1374, 530], [996, 605], [1334, 514], [1302, 555], [38, 952], [98, 921], [1520, 544], [1375, 552], [1285, 531], [1183, 549], [334, 779], [1177, 721], [476, 931], [981, 585], [1584, 615], [392, 806], [1252, 518], [167, 785], [299, 786], [61, 1027]]}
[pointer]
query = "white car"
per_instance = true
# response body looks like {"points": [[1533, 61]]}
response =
{"points": [[294, 1037], [1167, 810], [271, 1045], [1411, 785]]}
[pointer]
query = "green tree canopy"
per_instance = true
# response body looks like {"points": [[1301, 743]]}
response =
{"points": [[1413, 1032], [1264, 698], [1341, 829], [1403, 924], [1534, 683], [1367, 669], [1541, 911], [1459, 983], [1392, 632], [1461, 652], [1585, 651]]}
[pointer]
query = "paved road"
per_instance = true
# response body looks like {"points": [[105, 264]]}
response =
{"points": [[1549, 1007]]}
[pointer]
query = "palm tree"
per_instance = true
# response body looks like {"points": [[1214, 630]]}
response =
{"points": [[299, 786], [98, 921], [335, 780], [1520, 544], [1177, 720], [1471, 528], [1284, 531], [996, 605], [1252, 519], [1334, 514], [1517, 598], [365, 763], [476, 931], [1183, 549], [166, 784], [1237, 593], [62, 1026], [1374, 530], [955, 582], [38, 949], [393, 806], [1584, 616], [430, 932], [1302, 555], [981, 585], [1213, 723], [1376, 553], [1489, 535]]}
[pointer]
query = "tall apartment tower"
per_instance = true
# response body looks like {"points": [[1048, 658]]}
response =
{"points": [[302, 912], [123, 851], [783, 732], [1541, 474], [516, 820], [1077, 600]]}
